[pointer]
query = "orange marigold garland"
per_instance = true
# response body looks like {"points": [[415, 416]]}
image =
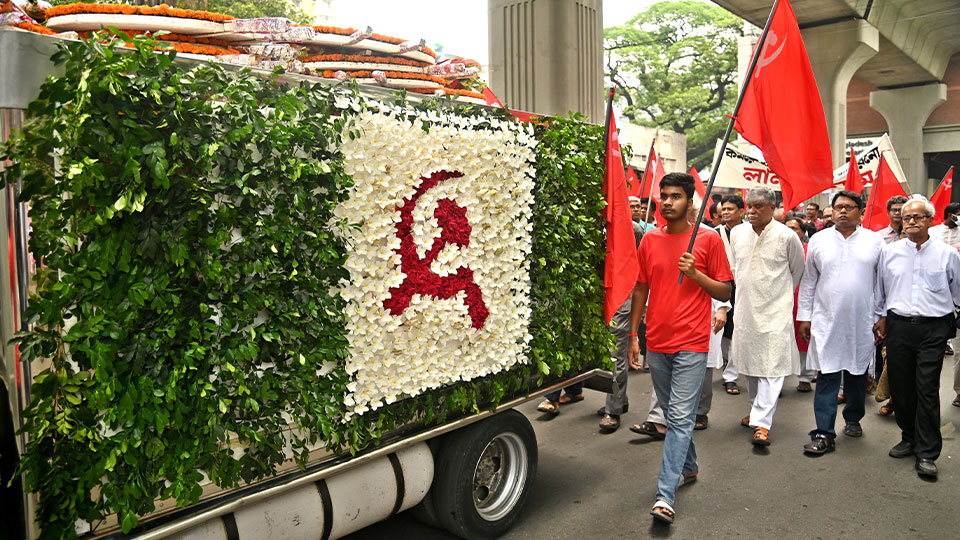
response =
{"points": [[376, 37], [178, 38], [34, 28], [364, 59], [451, 91], [163, 10], [330, 74]]}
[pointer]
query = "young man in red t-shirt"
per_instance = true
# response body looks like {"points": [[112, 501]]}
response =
{"points": [[678, 326]]}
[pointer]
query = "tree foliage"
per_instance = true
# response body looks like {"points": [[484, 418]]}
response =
{"points": [[675, 65]]}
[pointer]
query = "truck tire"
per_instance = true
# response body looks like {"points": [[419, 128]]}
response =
{"points": [[483, 476]]}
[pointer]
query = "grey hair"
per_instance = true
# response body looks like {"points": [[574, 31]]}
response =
{"points": [[633, 198], [763, 194], [928, 208]]}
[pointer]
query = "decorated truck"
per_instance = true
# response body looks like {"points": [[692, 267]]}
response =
{"points": [[250, 303]]}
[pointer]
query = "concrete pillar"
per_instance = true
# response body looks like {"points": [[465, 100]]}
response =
{"points": [[546, 56], [836, 52], [906, 111]]}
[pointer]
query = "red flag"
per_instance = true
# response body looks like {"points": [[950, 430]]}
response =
{"points": [[621, 266], [782, 113], [653, 174], [490, 97], [854, 181], [942, 197], [633, 183], [884, 187], [698, 183]]}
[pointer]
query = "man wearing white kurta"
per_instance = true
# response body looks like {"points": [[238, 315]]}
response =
{"points": [[769, 259], [836, 315]]}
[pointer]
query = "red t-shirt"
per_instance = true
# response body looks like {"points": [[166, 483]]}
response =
{"points": [[678, 315]]}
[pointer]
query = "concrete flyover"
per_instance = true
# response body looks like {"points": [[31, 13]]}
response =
{"points": [[900, 58]]}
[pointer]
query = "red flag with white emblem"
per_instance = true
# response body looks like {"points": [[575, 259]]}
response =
{"points": [[942, 197], [782, 113]]}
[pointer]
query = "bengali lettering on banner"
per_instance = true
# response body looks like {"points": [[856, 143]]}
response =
{"points": [[738, 170], [868, 160]]}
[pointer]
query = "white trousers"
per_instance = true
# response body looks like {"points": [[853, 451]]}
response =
{"points": [[806, 374], [764, 393], [730, 373]]}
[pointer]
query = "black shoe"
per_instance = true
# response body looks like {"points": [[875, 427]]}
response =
{"points": [[853, 429], [926, 467], [902, 450], [820, 445]]}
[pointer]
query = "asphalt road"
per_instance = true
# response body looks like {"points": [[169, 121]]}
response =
{"points": [[591, 485]]}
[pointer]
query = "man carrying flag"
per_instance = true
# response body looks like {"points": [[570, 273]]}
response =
{"points": [[678, 327]]}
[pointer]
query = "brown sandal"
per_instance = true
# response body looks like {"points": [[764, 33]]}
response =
{"points": [[567, 399], [549, 407], [956, 402], [761, 437], [887, 409]]}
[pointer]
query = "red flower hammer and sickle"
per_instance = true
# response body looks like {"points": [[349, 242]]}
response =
{"points": [[455, 229]]}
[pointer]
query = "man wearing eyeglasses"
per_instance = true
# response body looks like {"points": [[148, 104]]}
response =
{"points": [[836, 314], [918, 287]]}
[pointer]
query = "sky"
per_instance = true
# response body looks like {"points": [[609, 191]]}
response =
{"points": [[459, 26]]}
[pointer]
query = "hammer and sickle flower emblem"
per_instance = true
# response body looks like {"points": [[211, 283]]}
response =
{"points": [[420, 279]]}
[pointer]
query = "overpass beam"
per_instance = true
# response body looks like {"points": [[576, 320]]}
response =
{"points": [[906, 111], [836, 52]]}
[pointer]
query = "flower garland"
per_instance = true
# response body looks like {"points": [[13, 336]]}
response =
{"points": [[33, 28], [179, 38], [450, 91], [361, 74], [376, 37], [439, 287], [364, 59], [163, 10]]}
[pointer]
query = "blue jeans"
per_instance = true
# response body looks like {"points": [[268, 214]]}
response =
{"points": [[677, 380], [825, 401]]}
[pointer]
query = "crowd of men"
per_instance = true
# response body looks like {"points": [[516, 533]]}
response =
{"points": [[766, 294]]}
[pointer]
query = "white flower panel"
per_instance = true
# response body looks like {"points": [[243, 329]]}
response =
{"points": [[465, 186]]}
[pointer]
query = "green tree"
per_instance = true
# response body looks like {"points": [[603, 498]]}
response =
{"points": [[243, 9], [675, 66]]}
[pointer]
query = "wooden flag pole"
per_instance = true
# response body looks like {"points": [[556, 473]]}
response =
{"points": [[726, 136]]}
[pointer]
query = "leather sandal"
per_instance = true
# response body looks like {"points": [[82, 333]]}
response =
{"points": [[610, 423], [662, 511], [731, 388], [549, 407], [649, 429], [745, 421], [887, 409], [567, 399], [761, 437]]}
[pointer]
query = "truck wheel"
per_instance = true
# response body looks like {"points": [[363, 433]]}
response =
{"points": [[483, 476]]}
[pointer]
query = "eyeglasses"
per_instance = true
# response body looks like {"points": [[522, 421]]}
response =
{"points": [[845, 207], [914, 218]]}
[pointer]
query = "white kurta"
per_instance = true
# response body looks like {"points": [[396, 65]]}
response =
{"points": [[836, 296], [714, 358], [769, 267]]}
